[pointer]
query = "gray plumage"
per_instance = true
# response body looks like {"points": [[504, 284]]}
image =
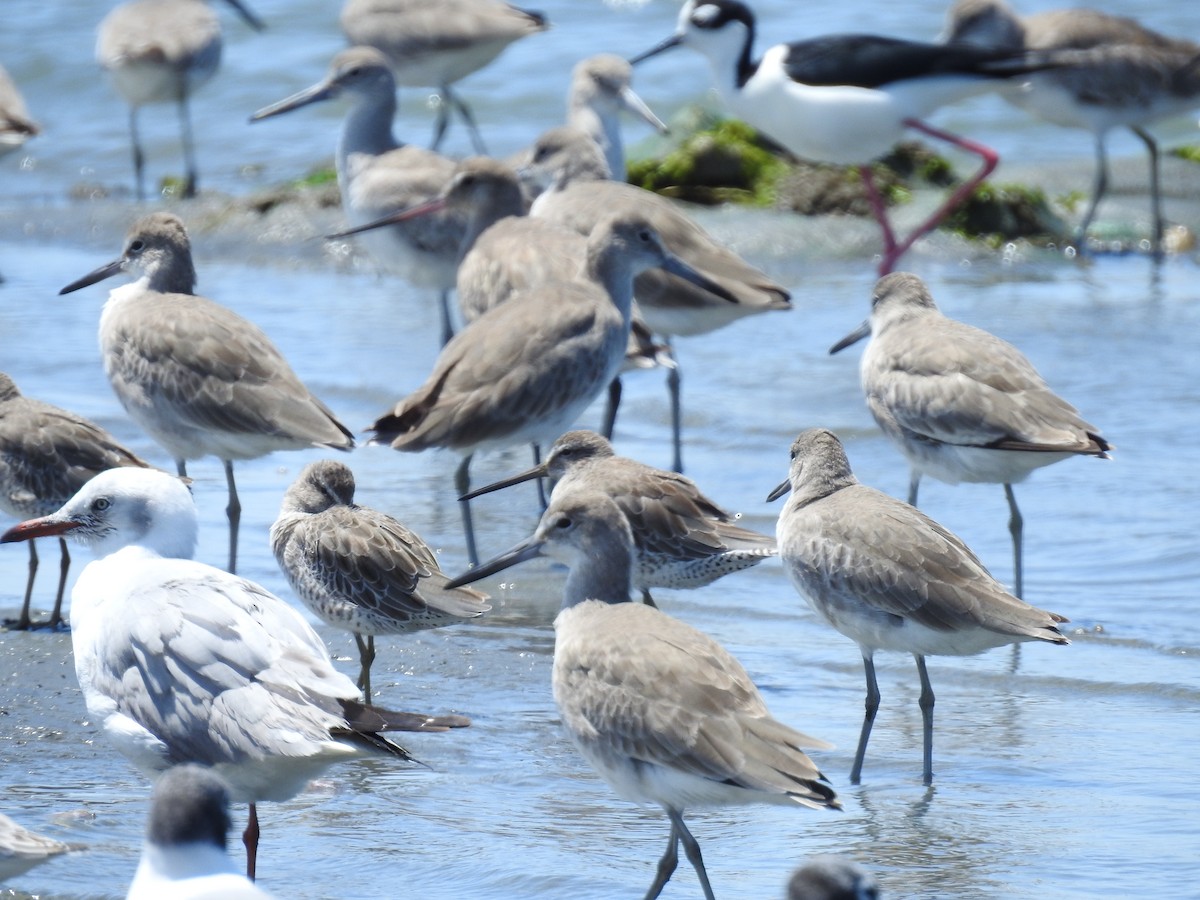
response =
{"points": [[663, 712], [22, 849], [828, 877], [890, 578], [360, 569], [16, 125], [197, 377], [960, 403], [46, 455], [681, 538]]}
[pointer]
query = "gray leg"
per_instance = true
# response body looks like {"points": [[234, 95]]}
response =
{"points": [[870, 708], [1155, 189], [462, 484], [914, 484], [443, 120], [468, 119], [447, 318], [192, 174], [250, 840], [541, 486], [1016, 527], [926, 703], [674, 380], [139, 158], [24, 621], [647, 599], [666, 865], [1099, 187], [692, 848], [64, 566], [234, 511], [610, 408], [366, 656]]}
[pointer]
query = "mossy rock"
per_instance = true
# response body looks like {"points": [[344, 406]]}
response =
{"points": [[1191, 153], [318, 188], [1002, 212]]}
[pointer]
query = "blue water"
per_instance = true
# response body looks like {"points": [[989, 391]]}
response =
{"points": [[1060, 772]]}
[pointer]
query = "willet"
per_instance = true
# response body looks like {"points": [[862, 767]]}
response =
{"points": [[1130, 77], [378, 175], [524, 371], [681, 538], [960, 403], [890, 578], [579, 193], [22, 849], [160, 51], [600, 92], [46, 455], [16, 126], [182, 662], [828, 877], [199, 378], [660, 710], [844, 99], [438, 44], [359, 569], [184, 853]]}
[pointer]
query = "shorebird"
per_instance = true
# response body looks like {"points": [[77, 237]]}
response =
{"points": [[16, 127], [183, 662], [22, 849], [359, 569], [160, 51], [960, 403], [186, 832], [46, 455], [890, 578], [661, 711], [199, 378], [438, 44], [844, 99], [600, 92], [525, 370], [681, 538], [578, 193], [1130, 77], [378, 175], [828, 877]]}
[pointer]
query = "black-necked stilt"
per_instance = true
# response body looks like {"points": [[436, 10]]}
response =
{"points": [[843, 99], [960, 403]]}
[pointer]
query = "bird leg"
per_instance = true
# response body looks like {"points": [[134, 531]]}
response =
{"points": [[673, 385], [447, 318], [925, 701], [23, 621], [692, 848], [666, 865], [191, 175], [1155, 189], [1099, 187], [870, 708], [250, 839], [964, 190], [914, 483], [139, 159], [541, 484], [647, 599], [878, 209], [1016, 527], [610, 408], [366, 656], [234, 511], [468, 119], [462, 484], [64, 565]]}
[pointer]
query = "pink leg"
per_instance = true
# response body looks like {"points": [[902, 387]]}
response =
{"points": [[250, 839], [990, 159], [879, 210]]}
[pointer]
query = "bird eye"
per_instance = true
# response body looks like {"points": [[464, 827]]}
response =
{"points": [[137, 246], [563, 522], [100, 504], [645, 236]]}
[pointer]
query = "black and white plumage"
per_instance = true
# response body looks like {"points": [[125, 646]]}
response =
{"points": [[358, 568], [890, 578], [661, 711], [179, 661], [961, 404]]}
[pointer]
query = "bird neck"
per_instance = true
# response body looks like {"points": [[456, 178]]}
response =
{"points": [[501, 204], [609, 266], [606, 132], [368, 128], [604, 574]]}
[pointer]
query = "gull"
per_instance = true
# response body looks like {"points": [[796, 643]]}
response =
{"points": [[844, 99], [16, 127], [960, 403], [46, 455], [160, 51], [525, 370], [22, 849], [438, 44], [359, 569], [182, 662], [681, 538], [378, 175], [1129, 77], [196, 376], [579, 193], [890, 578], [660, 710], [184, 854]]}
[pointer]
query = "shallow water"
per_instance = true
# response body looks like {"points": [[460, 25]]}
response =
{"points": [[1060, 772]]}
